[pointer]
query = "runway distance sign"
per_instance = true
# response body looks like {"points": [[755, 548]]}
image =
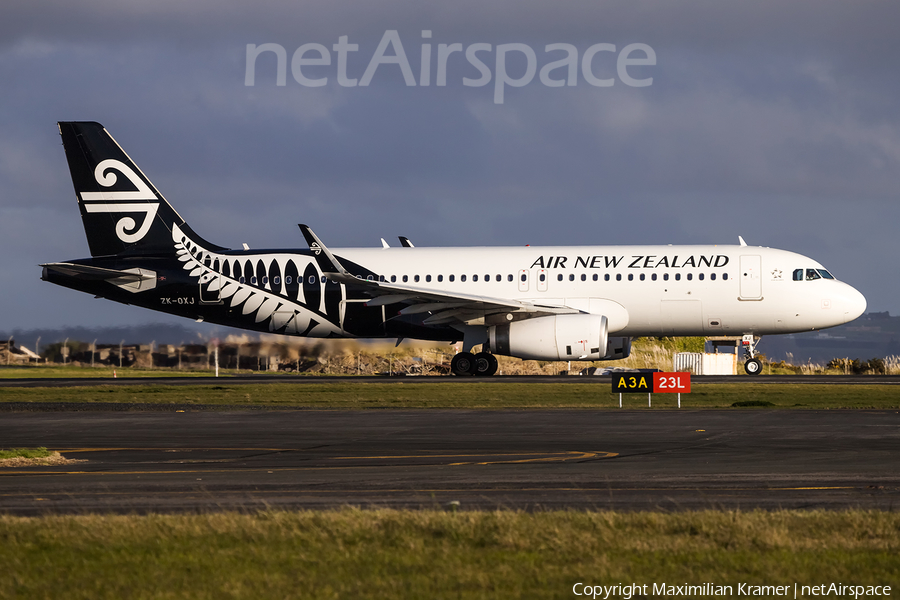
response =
{"points": [[672, 383], [652, 383], [632, 382]]}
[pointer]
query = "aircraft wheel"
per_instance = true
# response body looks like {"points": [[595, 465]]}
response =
{"points": [[463, 364], [486, 364], [753, 366]]}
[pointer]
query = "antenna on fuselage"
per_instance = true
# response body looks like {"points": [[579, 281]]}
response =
{"points": [[741, 240]]}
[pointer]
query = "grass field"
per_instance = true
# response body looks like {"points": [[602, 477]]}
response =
{"points": [[486, 395], [52, 371], [432, 554]]}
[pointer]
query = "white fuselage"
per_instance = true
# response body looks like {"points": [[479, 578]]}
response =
{"points": [[642, 290]]}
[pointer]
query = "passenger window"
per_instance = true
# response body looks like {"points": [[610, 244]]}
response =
{"points": [[606, 277], [543, 277], [631, 277], [428, 278], [712, 276], [677, 276], [382, 279], [653, 277], [725, 276], [253, 280], [812, 274], [241, 280], [522, 278], [618, 277], [462, 277], [487, 278], [440, 278], [643, 277], [559, 277], [798, 274], [700, 276], [474, 277], [452, 278], [265, 281], [416, 278], [571, 276], [665, 276], [276, 280], [405, 278], [499, 277], [288, 280], [393, 279], [595, 277], [690, 276], [583, 277]]}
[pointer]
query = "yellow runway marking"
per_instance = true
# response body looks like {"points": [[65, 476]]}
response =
{"points": [[544, 457], [534, 457], [164, 449]]}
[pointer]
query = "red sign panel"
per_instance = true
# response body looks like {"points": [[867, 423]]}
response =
{"points": [[671, 383]]}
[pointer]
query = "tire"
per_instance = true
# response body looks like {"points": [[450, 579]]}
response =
{"points": [[753, 366], [485, 364], [463, 364]]}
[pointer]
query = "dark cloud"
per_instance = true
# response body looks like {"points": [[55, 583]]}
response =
{"points": [[773, 120]]}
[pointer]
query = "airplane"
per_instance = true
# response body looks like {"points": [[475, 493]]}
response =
{"points": [[582, 303]]}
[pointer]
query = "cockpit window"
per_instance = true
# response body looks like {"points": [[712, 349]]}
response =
{"points": [[798, 274], [825, 274], [812, 274]]}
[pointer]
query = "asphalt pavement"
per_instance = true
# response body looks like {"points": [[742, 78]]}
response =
{"points": [[202, 460]]}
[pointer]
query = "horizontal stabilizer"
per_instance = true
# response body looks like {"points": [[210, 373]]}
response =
{"points": [[132, 280]]}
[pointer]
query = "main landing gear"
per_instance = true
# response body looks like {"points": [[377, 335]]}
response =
{"points": [[482, 364], [752, 366]]}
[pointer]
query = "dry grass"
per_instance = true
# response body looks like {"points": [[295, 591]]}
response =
{"points": [[32, 457], [432, 554]]}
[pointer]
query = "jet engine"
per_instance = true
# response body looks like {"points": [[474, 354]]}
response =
{"points": [[554, 337], [618, 348]]}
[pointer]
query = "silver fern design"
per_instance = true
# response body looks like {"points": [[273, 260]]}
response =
{"points": [[280, 299]]}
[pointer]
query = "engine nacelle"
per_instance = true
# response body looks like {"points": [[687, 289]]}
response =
{"points": [[618, 348], [555, 337]]}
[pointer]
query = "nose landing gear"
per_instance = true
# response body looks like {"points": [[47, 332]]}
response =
{"points": [[752, 366]]}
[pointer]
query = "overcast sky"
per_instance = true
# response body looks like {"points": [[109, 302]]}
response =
{"points": [[774, 120]]}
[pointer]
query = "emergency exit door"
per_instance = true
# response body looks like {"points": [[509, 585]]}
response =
{"points": [[751, 278]]}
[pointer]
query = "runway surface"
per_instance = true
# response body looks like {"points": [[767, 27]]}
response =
{"points": [[319, 380], [627, 460]]}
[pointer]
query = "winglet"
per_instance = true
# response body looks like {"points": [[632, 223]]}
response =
{"points": [[384, 244], [325, 259], [741, 240], [404, 241]]}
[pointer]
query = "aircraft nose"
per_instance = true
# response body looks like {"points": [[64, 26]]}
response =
{"points": [[854, 304]]}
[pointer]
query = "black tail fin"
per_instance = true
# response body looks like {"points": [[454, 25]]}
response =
{"points": [[123, 213]]}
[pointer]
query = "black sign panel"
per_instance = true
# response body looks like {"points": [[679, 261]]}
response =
{"points": [[632, 382]]}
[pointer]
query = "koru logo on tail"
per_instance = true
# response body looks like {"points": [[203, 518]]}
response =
{"points": [[122, 202]]}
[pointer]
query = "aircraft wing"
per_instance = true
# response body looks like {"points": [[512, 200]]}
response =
{"points": [[443, 307]]}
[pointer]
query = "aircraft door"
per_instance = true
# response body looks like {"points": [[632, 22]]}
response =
{"points": [[751, 280], [523, 280], [541, 279], [210, 285]]}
